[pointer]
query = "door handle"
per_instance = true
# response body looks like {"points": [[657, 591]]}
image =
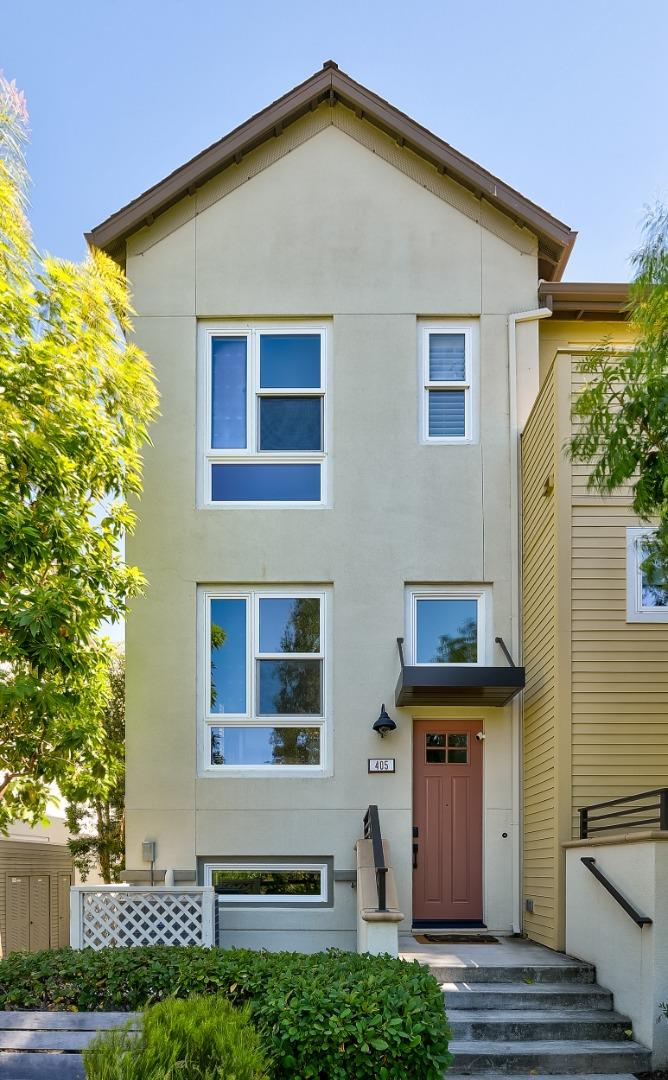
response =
{"points": [[415, 855]]}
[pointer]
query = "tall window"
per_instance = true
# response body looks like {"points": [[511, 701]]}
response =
{"points": [[263, 402], [263, 678], [646, 593], [447, 626], [448, 362]]}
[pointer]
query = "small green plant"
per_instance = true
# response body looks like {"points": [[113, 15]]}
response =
{"points": [[202, 1038]]}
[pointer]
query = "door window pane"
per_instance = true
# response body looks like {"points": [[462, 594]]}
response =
{"points": [[447, 413], [458, 740], [228, 656], [435, 748], [446, 631], [290, 423], [289, 687], [447, 357], [289, 626], [265, 483], [267, 882], [228, 393], [457, 757], [265, 746], [289, 360]]}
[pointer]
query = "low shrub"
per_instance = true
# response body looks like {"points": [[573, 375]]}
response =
{"points": [[203, 1038], [327, 1016]]}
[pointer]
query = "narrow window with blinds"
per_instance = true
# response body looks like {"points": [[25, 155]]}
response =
{"points": [[446, 364]]}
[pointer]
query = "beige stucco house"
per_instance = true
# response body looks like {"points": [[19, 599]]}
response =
{"points": [[344, 316]]}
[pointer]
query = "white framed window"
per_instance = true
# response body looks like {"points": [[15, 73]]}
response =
{"points": [[263, 683], [449, 624], [646, 599], [273, 882], [263, 414], [449, 364]]}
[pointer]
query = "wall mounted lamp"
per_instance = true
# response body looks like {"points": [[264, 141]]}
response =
{"points": [[384, 725]]}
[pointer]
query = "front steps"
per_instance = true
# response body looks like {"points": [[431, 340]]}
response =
{"points": [[535, 1020]]}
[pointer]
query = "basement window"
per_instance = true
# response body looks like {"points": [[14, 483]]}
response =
{"points": [[268, 882], [646, 594]]}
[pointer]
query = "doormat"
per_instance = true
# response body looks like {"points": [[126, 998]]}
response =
{"points": [[456, 939]]}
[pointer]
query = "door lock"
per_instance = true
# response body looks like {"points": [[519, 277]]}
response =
{"points": [[415, 855]]}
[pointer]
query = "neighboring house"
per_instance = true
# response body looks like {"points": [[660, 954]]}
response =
{"points": [[595, 630], [343, 313], [36, 872]]}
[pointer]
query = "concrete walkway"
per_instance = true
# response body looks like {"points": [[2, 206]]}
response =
{"points": [[511, 952]]}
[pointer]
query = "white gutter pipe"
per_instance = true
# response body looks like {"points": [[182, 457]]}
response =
{"points": [[534, 315]]}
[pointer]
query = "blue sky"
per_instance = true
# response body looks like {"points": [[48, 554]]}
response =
{"points": [[566, 102]]}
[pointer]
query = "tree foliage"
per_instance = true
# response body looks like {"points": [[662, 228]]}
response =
{"points": [[76, 400], [622, 410], [97, 826]]}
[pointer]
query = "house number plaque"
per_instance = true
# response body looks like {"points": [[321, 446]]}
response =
{"points": [[382, 764]]}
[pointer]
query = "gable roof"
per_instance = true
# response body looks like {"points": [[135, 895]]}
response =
{"points": [[555, 240]]}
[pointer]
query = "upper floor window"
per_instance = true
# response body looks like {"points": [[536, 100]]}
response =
{"points": [[263, 686], [447, 625], [263, 403], [448, 364], [646, 595]]}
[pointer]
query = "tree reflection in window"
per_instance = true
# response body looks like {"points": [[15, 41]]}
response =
{"points": [[460, 647], [293, 687], [218, 637]]}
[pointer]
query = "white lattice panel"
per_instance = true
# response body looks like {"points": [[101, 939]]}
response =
{"points": [[118, 916]]}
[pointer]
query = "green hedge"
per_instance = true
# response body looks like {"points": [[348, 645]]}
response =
{"points": [[327, 1016]]}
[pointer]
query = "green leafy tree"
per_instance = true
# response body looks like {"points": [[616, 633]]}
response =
{"points": [[76, 400], [97, 826], [622, 410]]}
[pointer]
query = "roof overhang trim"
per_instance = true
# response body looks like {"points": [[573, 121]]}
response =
{"points": [[587, 300], [555, 239]]}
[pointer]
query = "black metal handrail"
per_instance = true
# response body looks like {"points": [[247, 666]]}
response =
{"points": [[654, 803], [372, 832], [639, 920]]}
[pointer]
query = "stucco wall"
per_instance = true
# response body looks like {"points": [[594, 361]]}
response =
{"points": [[630, 961], [334, 230]]}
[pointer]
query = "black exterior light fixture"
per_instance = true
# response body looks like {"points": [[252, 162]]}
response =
{"points": [[384, 724]]}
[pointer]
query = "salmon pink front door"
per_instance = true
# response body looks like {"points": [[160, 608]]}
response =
{"points": [[447, 821]]}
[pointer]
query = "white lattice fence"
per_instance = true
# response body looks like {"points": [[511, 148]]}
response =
{"points": [[102, 915]]}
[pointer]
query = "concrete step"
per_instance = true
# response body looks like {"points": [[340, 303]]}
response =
{"points": [[473, 995], [568, 973], [554, 1076], [552, 1057], [509, 1025]]}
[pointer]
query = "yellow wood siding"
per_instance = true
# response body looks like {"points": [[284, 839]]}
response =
{"points": [[539, 634], [620, 669], [596, 703]]}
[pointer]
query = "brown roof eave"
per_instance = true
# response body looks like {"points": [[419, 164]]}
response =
{"points": [[555, 238]]}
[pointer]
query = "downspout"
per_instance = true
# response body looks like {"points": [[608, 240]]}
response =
{"points": [[534, 315]]}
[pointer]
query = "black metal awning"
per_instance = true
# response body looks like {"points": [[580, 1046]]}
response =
{"points": [[465, 684]]}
